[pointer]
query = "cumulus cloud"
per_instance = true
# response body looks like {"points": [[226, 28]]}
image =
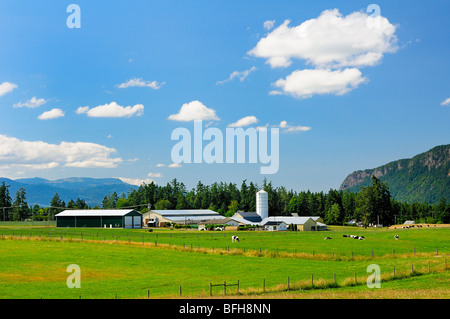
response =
{"points": [[138, 82], [155, 175], [269, 24], [6, 87], [174, 165], [446, 102], [194, 110], [245, 121], [292, 128], [112, 110], [160, 165], [136, 181], [240, 75], [331, 40], [42, 155], [31, 103], [52, 114], [305, 83]]}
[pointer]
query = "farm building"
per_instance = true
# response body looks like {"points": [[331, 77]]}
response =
{"points": [[106, 218], [283, 223], [275, 225], [223, 221], [250, 217], [157, 218], [226, 222]]}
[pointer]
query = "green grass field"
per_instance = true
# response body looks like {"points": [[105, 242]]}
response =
{"points": [[136, 264]]}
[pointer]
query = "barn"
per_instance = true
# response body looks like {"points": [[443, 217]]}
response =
{"points": [[283, 222], [105, 218], [157, 218]]}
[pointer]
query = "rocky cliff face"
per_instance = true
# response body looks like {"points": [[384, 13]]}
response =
{"points": [[426, 176]]}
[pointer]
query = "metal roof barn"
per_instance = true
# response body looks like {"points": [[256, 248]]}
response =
{"points": [[184, 216], [106, 218]]}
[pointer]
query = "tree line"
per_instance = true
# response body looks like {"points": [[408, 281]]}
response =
{"points": [[373, 204]]}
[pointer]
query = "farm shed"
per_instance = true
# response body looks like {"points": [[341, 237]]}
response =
{"points": [[109, 218], [300, 223], [184, 217], [223, 221], [250, 217], [273, 225]]}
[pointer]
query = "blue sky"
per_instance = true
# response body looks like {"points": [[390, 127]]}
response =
{"points": [[368, 99]]}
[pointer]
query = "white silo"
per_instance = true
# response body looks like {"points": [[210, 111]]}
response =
{"points": [[262, 204]]}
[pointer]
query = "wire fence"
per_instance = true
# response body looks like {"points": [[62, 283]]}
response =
{"points": [[316, 282]]}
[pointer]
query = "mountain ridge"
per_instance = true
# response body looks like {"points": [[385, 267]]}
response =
{"points": [[424, 177], [40, 191]]}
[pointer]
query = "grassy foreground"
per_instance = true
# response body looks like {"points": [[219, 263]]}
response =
{"points": [[33, 265]]}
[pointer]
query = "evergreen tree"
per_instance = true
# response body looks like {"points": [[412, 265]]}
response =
{"points": [[20, 210], [5, 201]]}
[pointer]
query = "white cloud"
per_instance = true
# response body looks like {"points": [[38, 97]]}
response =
{"points": [[289, 128], [136, 181], [112, 110], [175, 165], [40, 155], [138, 82], [52, 114], [331, 40], [245, 121], [305, 83], [29, 166], [6, 87], [269, 24], [194, 110], [446, 102], [160, 165], [82, 109], [31, 103], [240, 75], [155, 175]]}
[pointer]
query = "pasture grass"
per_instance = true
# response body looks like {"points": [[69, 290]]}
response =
{"points": [[136, 264], [378, 242]]}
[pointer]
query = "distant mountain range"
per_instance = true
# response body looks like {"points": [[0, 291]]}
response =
{"points": [[425, 177], [92, 190]]}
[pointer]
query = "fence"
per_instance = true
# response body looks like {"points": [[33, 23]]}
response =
{"points": [[313, 283], [225, 285]]}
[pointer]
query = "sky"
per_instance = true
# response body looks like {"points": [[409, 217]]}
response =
{"points": [[98, 89]]}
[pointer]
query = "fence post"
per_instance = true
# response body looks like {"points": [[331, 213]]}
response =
{"points": [[210, 289], [180, 291], [238, 286], [288, 283], [225, 288], [264, 285]]}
